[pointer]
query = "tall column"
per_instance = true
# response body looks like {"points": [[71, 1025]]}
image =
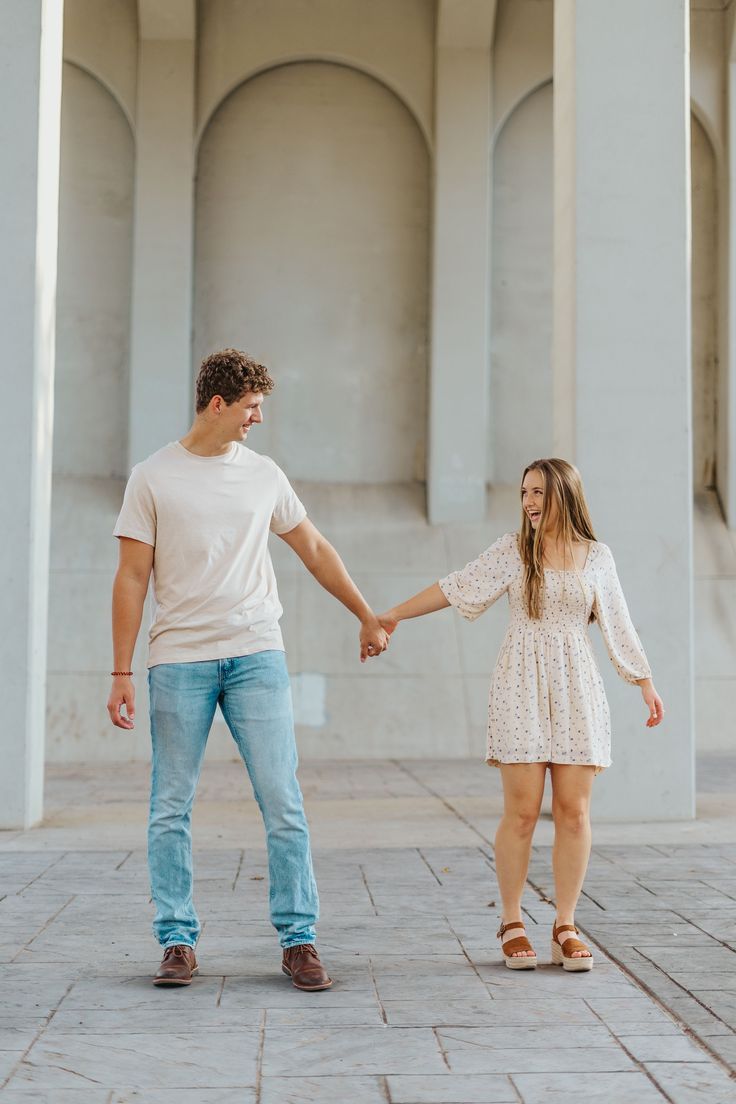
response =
{"points": [[622, 352], [459, 371], [726, 455], [30, 78], [161, 322]]}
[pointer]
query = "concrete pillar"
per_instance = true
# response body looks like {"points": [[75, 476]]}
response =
{"points": [[459, 371], [30, 79], [622, 352], [161, 322], [726, 429]]}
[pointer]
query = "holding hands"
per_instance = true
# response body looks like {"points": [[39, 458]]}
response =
{"points": [[373, 638]]}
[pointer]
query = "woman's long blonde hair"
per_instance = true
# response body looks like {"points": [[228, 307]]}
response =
{"points": [[563, 483]]}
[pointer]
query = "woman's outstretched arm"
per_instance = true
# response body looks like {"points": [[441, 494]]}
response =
{"points": [[427, 601]]}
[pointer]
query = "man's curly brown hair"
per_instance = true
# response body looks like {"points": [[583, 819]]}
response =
{"points": [[230, 373]]}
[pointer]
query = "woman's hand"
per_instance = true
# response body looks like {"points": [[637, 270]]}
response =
{"points": [[388, 621], [653, 703]]}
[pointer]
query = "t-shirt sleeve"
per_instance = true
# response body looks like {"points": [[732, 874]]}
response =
{"points": [[482, 582], [137, 518], [288, 511]]}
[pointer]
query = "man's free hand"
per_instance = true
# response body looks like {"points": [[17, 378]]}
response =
{"points": [[122, 694]]}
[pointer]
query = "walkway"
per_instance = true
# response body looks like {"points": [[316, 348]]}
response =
{"points": [[422, 1012]]}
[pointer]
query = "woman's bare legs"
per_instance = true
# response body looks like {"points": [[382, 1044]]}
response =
{"points": [[571, 789], [523, 787]]}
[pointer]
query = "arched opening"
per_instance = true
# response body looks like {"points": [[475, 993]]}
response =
{"points": [[94, 274], [311, 252], [521, 310]]}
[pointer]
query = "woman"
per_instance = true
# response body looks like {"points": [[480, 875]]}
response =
{"points": [[547, 705]]}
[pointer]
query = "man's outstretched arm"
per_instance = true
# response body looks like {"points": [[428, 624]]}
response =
{"points": [[321, 559], [128, 598]]}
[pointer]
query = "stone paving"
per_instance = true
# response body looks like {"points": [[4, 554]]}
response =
{"points": [[422, 1010]]}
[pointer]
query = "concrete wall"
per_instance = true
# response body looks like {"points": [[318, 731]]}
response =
{"points": [[312, 253], [93, 305], [521, 257], [353, 118], [90, 421]]}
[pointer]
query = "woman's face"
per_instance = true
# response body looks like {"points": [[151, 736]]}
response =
{"points": [[532, 500]]}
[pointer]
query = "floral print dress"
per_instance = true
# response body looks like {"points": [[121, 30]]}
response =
{"points": [[547, 703]]}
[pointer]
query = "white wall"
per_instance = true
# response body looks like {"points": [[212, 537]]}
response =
{"points": [[312, 254], [521, 257]]}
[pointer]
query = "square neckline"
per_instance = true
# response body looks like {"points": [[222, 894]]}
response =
{"points": [[573, 570]]}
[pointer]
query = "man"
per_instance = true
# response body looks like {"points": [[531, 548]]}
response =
{"points": [[198, 513]]}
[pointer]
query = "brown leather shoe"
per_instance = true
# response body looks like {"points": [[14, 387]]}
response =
{"points": [[177, 966], [302, 965]]}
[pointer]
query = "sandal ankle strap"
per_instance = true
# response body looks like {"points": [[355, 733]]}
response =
{"points": [[503, 928], [564, 927]]}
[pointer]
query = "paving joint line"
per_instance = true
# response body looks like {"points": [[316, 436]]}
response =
{"points": [[45, 870], [692, 996], [657, 999], [383, 1082], [237, 872], [123, 861], [716, 938], [515, 1087], [443, 800], [465, 953], [381, 1009], [43, 928], [367, 888], [36, 1037], [426, 862], [259, 1059], [642, 1068], [443, 1052]]}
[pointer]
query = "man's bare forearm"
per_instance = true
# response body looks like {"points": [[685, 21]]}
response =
{"points": [[128, 599], [331, 573]]}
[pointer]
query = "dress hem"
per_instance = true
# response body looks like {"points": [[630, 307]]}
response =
{"points": [[599, 767]]}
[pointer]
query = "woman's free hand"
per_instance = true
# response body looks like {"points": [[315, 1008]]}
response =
{"points": [[653, 703]]}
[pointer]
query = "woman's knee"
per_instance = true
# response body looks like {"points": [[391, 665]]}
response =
{"points": [[522, 819], [571, 816]]}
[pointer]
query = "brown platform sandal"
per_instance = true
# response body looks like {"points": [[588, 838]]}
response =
{"points": [[521, 943], [562, 952]]}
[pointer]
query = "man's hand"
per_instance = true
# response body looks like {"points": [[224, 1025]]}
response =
{"points": [[122, 693], [373, 639]]}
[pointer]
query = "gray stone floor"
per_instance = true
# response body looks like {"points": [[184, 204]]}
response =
{"points": [[422, 1010]]}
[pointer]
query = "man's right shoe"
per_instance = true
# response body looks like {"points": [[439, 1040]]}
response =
{"points": [[178, 966]]}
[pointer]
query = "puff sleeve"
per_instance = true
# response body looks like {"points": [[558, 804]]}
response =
{"points": [[482, 582], [621, 639]]}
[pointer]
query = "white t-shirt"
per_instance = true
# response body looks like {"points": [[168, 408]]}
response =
{"points": [[208, 519]]}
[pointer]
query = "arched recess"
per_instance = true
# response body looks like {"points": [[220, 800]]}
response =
{"points": [[521, 305], [705, 267], [94, 272], [312, 218]]}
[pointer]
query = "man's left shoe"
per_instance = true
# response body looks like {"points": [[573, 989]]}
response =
{"points": [[302, 965]]}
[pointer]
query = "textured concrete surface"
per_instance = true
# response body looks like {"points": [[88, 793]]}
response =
{"points": [[422, 1010]]}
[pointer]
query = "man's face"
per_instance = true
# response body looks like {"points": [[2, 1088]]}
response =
{"points": [[237, 417]]}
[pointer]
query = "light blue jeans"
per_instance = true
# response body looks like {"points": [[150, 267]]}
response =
{"points": [[254, 695]]}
